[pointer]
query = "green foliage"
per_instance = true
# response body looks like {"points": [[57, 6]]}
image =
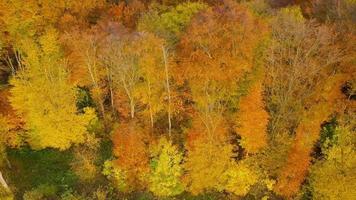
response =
{"points": [[170, 24], [115, 174], [40, 192], [84, 99], [205, 196], [327, 135], [260, 7], [105, 151], [70, 195], [166, 169]]}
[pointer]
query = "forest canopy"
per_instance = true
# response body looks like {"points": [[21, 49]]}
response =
{"points": [[177, 99]]}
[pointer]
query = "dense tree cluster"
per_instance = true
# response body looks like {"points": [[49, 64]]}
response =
{"points": [[169, 99]]}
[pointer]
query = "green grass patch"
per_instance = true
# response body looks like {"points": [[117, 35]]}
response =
{"points": [[31, 169]]}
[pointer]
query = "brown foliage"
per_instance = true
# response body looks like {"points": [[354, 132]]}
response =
{"points": [[300, 58], [127, 14]]}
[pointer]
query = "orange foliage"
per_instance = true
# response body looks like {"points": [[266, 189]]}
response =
{"points": [[213, 58], [222, 49], [295, 170], [132, 153], [15, 122], [5, 108], [199, 130], [253, 120]]}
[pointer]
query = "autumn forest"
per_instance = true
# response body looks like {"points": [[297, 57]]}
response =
{"points": [[177, 100]]}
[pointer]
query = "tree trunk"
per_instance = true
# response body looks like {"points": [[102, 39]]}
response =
{"points": [[3, 182], [150, 102], [132, 105], [168, 90]]}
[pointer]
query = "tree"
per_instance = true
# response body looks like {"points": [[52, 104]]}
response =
{"points": [[300, 56], [331, 10], [139, 65], [26, 19], [209, 156], [332, 177], [216, 58], [42, 95], [13, 136], [166, 170], [83, 164], [170, 24], [239, 179], [253, 120], [211, 166], [122, 60], [5, 128], [301, 62], [321, 106], [152, 69], [116, 175], [132, 155], [86, 69], [127, 13]]}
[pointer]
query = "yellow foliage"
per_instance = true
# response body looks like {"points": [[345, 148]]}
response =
{"points": [[4, 128], [205, 164], [84, 164], [166, 170], [27, 18], [42, 95], [239, 178], [294, 12], [115, 174], [151, 68], [334, 177]]}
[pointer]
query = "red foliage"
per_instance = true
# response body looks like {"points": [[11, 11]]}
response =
{"points": [[127, 14]]}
